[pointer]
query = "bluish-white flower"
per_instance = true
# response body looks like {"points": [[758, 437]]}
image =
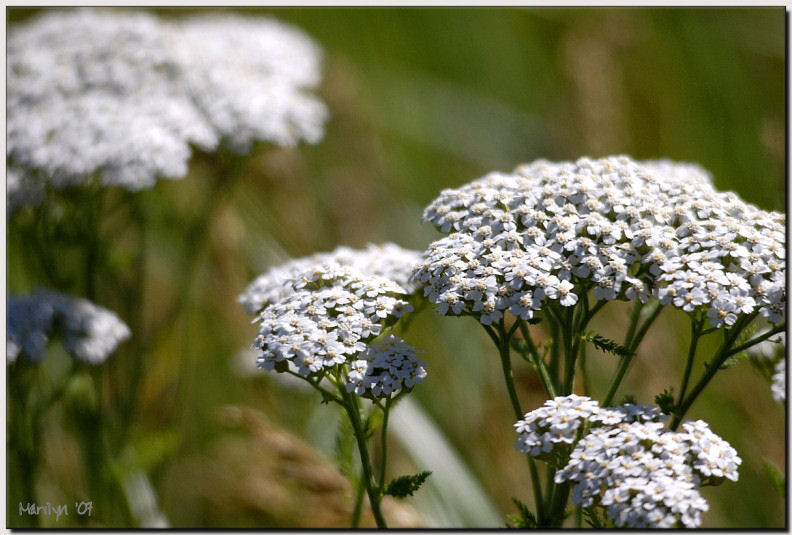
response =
{"points": [[640, 478], [624, 460], [88, 332], [385, 369], [560, 421], [123, 96]]}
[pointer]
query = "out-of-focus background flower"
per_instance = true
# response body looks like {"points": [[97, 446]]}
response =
{"points": [[419, 100]]}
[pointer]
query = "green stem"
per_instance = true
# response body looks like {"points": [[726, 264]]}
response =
{"points": [[538, 362], [695, 334], [634, 317], [584, 371], [351, 407], [560, 497], [712, 368], [572, 326], [493, 336], [360, 488], [503, 350], [325, 393], [625, 361], [575, 328], [645, 327], [384, 440], [550, 485], [590, 314], [569, 352], [555, 363], [750, 343]]}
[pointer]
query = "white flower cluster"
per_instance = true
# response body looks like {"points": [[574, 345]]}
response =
{"points": [[123, 95], [250, 77], [773, 350], [385, 369], [326, 316], [645, 476], [624, 229], [388, 260], [89, 333], [559, 421], [778, 385]]}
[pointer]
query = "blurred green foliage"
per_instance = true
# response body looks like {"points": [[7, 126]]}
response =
{"points": [[422, 99]]}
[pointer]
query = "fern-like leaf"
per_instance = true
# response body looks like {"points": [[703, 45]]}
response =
{"points": [[524, 519], [606, 344], [404, 486]]}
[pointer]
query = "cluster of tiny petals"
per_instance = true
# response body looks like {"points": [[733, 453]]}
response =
{"points": [[559, 422], [388, 261], [385, 369], [124, 95], [713, 459], [624, 229], [644, 475], [88, 332], [327, 318], [251, 77], [640, 475]]}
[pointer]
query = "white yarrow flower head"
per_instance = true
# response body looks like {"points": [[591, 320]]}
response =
{"points": [[122, 96], [386, 369], [624, 229], [638, 475], [88, 332], [251, 77], [325, 317], [560, 421], [624, 460], [388, 260]]}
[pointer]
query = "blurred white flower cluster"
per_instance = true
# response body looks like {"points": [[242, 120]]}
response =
{"points": [[778, 386], [320, 312], [88, 332], [624, 460], [773, 350], [387, 260], [123, 95], [623, 229]]}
